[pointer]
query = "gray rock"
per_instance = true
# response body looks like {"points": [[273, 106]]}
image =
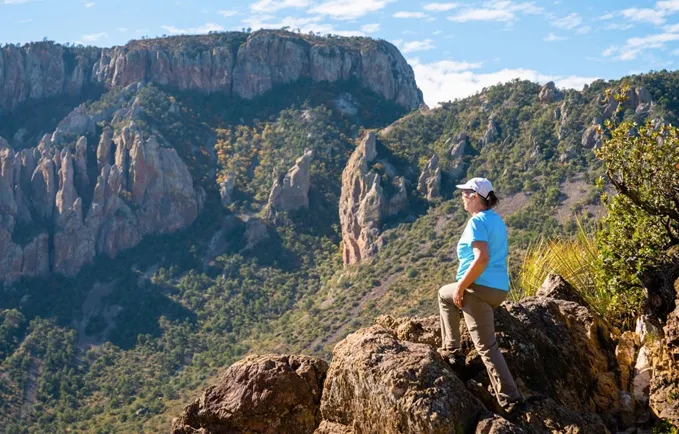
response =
{"points": [[292, 192], [591, 138], [226, 189], [429, 183], [377, 383], [549, 93]]}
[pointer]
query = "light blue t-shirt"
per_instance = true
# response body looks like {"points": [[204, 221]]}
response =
{"points": [[485, 226]]}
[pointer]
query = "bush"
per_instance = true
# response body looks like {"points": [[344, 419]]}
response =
{"points": [[640, 235]]}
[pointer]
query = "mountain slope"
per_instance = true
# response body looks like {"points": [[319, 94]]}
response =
{"points": [[146, 330]]}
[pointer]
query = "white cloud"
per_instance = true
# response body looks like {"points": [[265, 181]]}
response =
{"points": [[18, 2], [608, 16], [122, 29], [414, 46], [348, 9], [635, 46], [268, 6], [93, 37], [608, 52], [404, 14], [496, 10], [568, 22], [668, 5], [370, 28], [482, 15], [440, 7], [583, 30], [445, 81], [618, 26], [674, 28], [28, 20], [648, 15], [438, 32], [309, 24], [205, 28], [228, 13], [88, 4], [551, 37]]}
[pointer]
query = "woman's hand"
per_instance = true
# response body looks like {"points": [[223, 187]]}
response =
{"points": [[458, 296]]}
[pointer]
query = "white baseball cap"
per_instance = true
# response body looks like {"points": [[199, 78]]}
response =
{"points": [[480, 185]]}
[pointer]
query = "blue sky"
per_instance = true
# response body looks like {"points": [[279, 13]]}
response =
{"points": [[456, 47]]}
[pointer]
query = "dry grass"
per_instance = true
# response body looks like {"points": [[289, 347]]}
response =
{"points": [[577, 260]]}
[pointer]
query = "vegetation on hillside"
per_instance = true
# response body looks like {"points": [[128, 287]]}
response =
{"points": [[166, 320]]}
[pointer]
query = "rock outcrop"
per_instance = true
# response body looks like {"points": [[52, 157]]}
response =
{"points": [[388, 378], [292, 192], [429, 183], [637, 99], [457, 153], [492, 133], [260, 394], [664, 386], [364, 204], [142, 188], [591, 138], [549, 93], [245, 65], [377, 383]]}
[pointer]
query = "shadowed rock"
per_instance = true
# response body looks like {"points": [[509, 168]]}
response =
{"points": [[259, 394]]}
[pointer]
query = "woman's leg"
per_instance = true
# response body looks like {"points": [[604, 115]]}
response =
{"points": [[478, 314], [449, 318]]}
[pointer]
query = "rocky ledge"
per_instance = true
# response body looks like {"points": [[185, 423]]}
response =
{"points": [[235, 63], [388, 378]]}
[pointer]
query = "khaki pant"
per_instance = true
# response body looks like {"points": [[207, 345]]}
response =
{"points": [[477, 307]]}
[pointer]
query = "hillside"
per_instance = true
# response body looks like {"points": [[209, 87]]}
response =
{"points": [[167, 214]]}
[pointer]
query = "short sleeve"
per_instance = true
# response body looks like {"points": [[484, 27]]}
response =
{"points": [[478, 230]]}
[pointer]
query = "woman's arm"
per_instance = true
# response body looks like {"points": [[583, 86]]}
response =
{"points": [[477, 266]]}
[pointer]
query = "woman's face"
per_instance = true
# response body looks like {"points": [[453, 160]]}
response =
{"points": [[469, 197]]}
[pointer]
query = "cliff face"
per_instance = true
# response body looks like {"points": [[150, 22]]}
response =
{"points": [[86, 198], [234, 63]]}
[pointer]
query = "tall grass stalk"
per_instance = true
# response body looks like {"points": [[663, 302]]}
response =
{"points": [[575, 259]]}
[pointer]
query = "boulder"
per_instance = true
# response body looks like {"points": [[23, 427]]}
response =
{"points": [[591, 138], [556, 286], [497, 425], [260, 394], [377, 383], [549, 93]]}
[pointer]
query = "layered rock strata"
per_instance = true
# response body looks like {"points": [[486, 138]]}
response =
{"points": [[239, 64]]}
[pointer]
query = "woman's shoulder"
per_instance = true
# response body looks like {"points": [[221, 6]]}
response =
{"points": [[488, 217]]}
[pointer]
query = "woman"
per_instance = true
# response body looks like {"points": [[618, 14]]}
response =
{"points": [[482, 283]]}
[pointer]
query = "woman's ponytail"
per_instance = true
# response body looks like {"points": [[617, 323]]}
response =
{"points": [[491, 201]]}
